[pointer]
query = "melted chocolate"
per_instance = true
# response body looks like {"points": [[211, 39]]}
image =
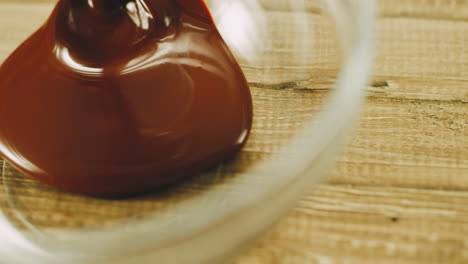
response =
{"points": [[116, 97]]}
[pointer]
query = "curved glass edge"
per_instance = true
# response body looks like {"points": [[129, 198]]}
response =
{"points": [[235, 225]]}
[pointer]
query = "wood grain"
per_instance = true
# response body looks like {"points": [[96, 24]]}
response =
{"points": [[398, 194], [358, 224]]}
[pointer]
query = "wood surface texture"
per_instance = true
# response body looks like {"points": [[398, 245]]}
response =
{"points": [[399, 193]]}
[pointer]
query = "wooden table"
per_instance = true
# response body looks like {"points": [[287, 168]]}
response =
{"points": [[400, 192]]}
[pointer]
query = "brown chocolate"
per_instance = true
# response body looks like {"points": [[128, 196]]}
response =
{"points": [[117, 97]]}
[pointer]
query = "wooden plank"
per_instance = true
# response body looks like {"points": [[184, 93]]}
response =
{"points": [[408, 142], [423, 48], [425, 9], [357, 224]]}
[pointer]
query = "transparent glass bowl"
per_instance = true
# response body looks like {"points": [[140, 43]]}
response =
{"points": [[307, 63]]}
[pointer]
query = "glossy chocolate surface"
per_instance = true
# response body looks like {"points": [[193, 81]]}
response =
{"points": [[117, 97]]}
